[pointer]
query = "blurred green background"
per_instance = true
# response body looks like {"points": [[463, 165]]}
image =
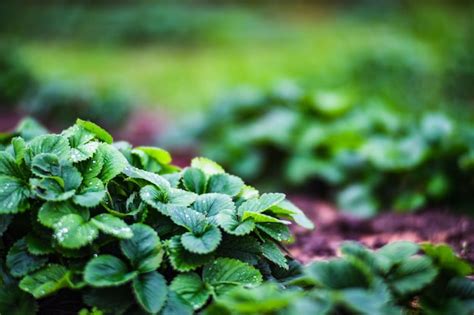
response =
{"points": [[389, 84]]}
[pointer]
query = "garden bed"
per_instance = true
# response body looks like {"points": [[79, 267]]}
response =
{"points": [[334, 227]]}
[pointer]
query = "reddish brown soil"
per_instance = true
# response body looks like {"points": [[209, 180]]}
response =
{"points": [[333, 228]]}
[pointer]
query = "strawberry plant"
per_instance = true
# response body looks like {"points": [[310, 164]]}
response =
{"points": [[365, 157], [399, 278], [89, 224]]}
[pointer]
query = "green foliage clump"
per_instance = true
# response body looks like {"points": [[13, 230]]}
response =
{"points": [[103, 228], [395, 279], [16, 78], [366, 156]]}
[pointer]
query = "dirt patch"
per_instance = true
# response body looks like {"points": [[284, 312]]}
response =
{"points": [[334, 227]]}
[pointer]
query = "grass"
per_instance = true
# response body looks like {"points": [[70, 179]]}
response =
{"points": [[186, 78]]}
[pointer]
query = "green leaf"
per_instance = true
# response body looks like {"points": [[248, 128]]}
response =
{"points": [[207, 166], [8, 165], [211, 204], [398, 251], [46, 281], [19, 149], [91, 168], [225, 184], [202, 243], [112, 225], [20, 261], [14, 195], [183, 260], [98, 131], [337, 274], [244, 248], [288, 208], [51, 212], [412, 275], [260, 217], [114, 162], [46, 164], [91, 193], [113, 300], [194, 180], [271, 251], [80, 140], [72, 231], [151, 291], [445, 258], [13, 301], [191, 288], [144, 249], [176, 305], [192, 220], [277, 231], [160, 155], [261, 204], [166, 200], [229, 221], [107, 271], [53, 144], [225, 273], [152, 178], [38, 245]]}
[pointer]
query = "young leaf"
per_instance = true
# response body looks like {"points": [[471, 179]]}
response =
{"points": [[107, 271], [191, 288], [8, 166], [143, 249], [72, 231], [211, 204], [53, 144], [160, 155], [98, 131], [91, 193], [151, 291], [112, 225], [225, 273], [46, 281], [20, 261], [259, 205], [14, 195], [230, 222]]}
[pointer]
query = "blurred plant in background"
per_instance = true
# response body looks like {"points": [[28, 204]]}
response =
{"points": [[365, 154]]}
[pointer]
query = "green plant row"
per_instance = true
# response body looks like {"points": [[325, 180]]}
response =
{"points": [[85, 222], [367, 156], [399, 278]]}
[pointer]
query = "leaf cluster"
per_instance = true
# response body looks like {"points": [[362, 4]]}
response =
{"points": [[104, 225], [365, 157], [399, 278]]}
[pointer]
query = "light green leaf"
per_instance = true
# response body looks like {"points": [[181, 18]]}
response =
{"points": [[211, 204], [183, 260], [20, 261], [14, 195], [151, 291], [160, 155], [46, 281], [72, 231], [225, 273], [207, 166], [445, 258], [289, 209], [191, 288], [225, 184], [107, 271], [194, 180], [80, 140], [271, 251], [202, 243], [181, 197], [114, 162], [260, 217], [91, 193], [152, 178], [144, 249], [98, 131], [91, 168], [51, 212], [19, 149], [398, 251], [112, 225]]}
